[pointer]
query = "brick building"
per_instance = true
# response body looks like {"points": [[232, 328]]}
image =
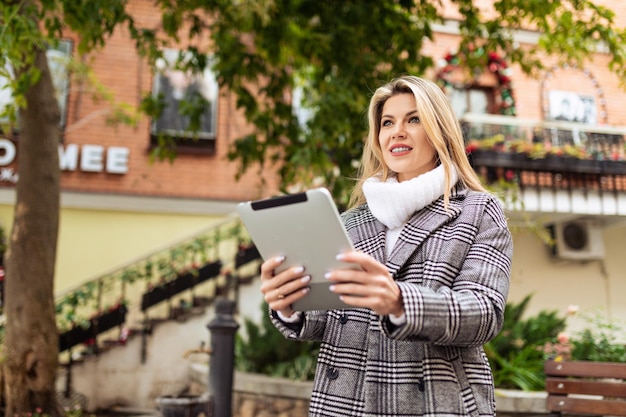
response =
{"points": [[118, 205]]}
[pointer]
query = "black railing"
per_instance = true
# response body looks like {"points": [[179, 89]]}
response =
{"points": [[157, 284]]}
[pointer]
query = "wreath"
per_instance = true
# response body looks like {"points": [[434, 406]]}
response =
{"points": [[497, 66]]}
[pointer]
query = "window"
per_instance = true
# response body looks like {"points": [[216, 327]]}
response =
{"points": [[58, 61], [182, 93], [470, 100]]}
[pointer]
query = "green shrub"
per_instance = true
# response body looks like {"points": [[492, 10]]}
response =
{"points": [[598, 341], [266, 351], [517, 354]]}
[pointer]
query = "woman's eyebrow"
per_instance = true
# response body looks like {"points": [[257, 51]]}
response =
{"points": [[409, 113]]}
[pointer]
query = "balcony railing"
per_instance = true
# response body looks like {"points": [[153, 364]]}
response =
{"points": [[557, 155]]}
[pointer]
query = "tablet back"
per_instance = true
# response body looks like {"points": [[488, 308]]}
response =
{"points": [[307, 230]]}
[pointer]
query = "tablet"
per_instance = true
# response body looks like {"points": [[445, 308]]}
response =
{"points": [[307, 230]]}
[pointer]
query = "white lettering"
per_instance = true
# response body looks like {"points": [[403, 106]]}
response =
{"points": [[117, 160], [7, 152], [7, 174], [68, 158], [91, 158]]}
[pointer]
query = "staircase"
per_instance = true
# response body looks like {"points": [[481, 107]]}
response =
{"points": [[128, 336]]}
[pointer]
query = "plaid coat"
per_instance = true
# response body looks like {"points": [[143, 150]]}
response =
{"points": [[453, 271]]}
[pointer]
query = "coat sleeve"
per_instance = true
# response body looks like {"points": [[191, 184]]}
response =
{"points": [[470, 312], [311, 327]]}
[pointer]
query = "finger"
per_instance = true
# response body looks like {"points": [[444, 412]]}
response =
{"points": [[365, 261], [357, 290], [268, 267], [280, 302], [282, 292], [283, 278]]}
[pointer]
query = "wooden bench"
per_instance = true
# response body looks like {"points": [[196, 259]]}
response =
{"points": [[586, 388]]}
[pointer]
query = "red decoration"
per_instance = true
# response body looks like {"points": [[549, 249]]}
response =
{"points": [[497, 66]]}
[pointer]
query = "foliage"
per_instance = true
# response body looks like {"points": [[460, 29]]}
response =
{"points": [[342, 50], [602, 340], [345, 50], [334, 53], [516, 354], [266, 351]]}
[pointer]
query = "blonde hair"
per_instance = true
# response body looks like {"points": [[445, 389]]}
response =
{"points": [[440, 124]]}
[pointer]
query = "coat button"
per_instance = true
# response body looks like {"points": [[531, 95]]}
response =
{"points": [[420, 385], [343, 319], [332, 373]]}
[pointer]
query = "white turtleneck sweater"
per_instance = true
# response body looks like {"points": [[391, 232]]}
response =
{"points": [[393, 202]]}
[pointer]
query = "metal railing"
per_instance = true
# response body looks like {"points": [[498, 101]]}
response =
{"points": [[547, 154], [538, 139]]}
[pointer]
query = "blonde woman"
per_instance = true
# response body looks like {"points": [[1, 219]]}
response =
{"points": [[435, 253]]}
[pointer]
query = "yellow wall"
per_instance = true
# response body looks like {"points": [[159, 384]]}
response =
{"points": [[94, 242], [557, 284]]}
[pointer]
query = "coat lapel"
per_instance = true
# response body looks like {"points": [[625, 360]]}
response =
{"points": [[421, 225]]}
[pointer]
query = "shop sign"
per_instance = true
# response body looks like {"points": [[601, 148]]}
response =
{"points": [[72, 157]]}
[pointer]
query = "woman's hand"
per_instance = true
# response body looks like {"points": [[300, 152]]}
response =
{"points": [[372, 287], [282, 289]]}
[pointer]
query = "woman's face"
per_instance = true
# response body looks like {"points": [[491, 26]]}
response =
{"points": [[403, 142]]}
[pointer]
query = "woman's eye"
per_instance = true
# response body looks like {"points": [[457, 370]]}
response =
{"points": [[414, 119], [386, 123]]}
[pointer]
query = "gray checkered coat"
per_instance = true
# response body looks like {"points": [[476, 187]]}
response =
{"points": [[453, 271]]}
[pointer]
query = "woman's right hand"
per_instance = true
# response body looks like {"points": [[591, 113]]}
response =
{"points": [[283, 289]]}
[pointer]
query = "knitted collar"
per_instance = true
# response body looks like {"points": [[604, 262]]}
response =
{"points": [[393, 202]]}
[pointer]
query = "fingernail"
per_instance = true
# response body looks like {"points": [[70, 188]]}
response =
{"points": [[340, 257], [332, 288], [327, 275], [306, 290], [279, 258], [298, 270], [305, 278]]}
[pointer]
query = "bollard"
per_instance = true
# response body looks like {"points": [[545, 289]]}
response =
{"points": [[221, 365]]}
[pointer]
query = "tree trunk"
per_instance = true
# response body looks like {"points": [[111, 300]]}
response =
{"points": [[31, 337]]}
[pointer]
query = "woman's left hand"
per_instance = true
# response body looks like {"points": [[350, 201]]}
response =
{"points": [[372, 287]]}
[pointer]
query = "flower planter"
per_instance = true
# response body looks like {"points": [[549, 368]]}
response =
{"points": [[110, 319], [551, 163], [208, 271], [97, 325], [155, 296], [182, 283], [246, 254], [75, 336]]}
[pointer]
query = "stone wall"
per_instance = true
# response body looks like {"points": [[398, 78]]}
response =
{"points": [[259, 395]]}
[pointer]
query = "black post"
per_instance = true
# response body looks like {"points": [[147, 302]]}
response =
{"points": [[221, 367]]}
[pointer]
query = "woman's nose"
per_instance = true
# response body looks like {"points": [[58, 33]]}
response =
{"points": [[398, 131]]}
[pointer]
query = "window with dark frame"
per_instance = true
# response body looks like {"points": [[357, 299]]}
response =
{"points": [[180, 92], [58, 63]]}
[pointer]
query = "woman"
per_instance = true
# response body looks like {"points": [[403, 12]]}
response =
{"points": [[435, 253]]}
